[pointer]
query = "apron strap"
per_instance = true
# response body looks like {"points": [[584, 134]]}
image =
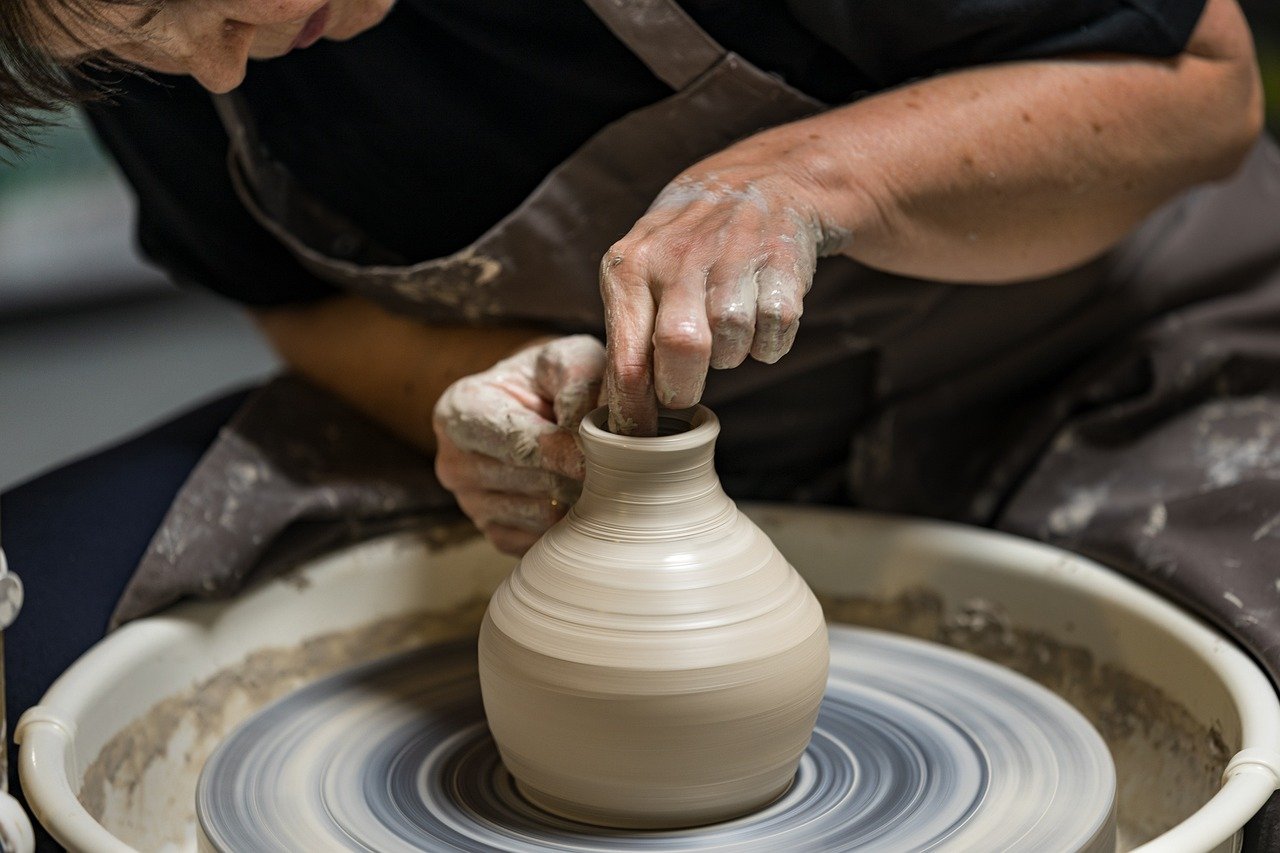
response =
{"points": [[246, 145], [663, 36], [267, 189]]}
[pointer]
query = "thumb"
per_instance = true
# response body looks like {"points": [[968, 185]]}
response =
{"points": [[568, 373]]}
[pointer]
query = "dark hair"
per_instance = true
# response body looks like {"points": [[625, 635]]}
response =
{"points": [[32, 82]]}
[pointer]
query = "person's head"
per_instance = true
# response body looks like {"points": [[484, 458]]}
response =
{"points": [[211, 40]]}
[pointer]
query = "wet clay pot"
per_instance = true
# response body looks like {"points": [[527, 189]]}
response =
{"points": [[653, 661]]}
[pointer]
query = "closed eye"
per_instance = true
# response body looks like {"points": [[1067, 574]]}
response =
{"points": [[148, 16]]}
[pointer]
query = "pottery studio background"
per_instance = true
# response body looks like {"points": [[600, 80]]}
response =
{"points": [[94, 344]]}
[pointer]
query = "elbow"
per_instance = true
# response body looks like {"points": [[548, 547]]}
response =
{"points": [[1230, 110], [1238, 123]]}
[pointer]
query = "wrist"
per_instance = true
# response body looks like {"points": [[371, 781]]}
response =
{"points": [[814, 168]]}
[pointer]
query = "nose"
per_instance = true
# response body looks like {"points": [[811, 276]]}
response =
{"points": [[221, 67], [220, 36]]}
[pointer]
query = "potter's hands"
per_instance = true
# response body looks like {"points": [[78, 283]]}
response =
{"points": [[716, 270], [507, 438]]}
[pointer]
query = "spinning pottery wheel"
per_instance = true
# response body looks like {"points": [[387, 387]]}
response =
{"points": [[917, 747]]}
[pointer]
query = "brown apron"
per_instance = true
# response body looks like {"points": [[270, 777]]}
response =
{"points": [[1025, 406]]}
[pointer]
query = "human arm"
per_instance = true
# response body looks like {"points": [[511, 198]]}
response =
{"points": [[391, 367], [997, 173]]}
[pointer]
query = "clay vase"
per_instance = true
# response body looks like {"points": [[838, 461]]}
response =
{"points": [[653, 661]]}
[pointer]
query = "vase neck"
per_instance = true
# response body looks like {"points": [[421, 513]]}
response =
{"points": [[665, 482]]}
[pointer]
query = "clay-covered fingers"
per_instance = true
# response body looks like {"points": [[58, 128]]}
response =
{"points": [[629, 312], [511, 522], [671, 317], [506, 442], [781, 285], [464, 471], [520, 512], [731, 313], [715, 272], [681, 343], [569, 373], [511, 505], [493, 415]]}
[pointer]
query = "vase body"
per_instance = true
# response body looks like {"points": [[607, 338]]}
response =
{"points": [[653, 661]]}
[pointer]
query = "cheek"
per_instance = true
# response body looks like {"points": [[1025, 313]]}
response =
{"points": [[149, 58]]}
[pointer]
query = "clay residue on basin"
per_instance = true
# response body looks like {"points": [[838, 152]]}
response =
{"points": [[1167, 763], [142, 784]]}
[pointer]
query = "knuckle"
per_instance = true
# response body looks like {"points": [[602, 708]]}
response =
{"points": [[641, 256], [630, 374], [779, 313], [618, 252], [625, 259], [683, 339], [550, 359], [579, 353], [614, 258], [731, 320]]}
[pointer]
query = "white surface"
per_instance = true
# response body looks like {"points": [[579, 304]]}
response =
{"points": [[1037, 586]]}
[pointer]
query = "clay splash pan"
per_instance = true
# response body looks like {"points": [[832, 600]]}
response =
{"points": [[111, 757]]}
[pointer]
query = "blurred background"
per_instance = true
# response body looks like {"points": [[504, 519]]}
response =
{"points": [[95, 345]]}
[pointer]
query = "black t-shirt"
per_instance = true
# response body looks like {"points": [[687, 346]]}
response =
{"points": [[430, 127]]}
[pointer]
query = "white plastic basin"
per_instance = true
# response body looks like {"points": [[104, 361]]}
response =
{"points": [[110, 757]]}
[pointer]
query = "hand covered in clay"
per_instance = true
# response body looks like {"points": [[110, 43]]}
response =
{"points": [[507, 438], [716, 270]]}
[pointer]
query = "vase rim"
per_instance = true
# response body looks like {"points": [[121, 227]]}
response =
{"points": [[695, 425]]}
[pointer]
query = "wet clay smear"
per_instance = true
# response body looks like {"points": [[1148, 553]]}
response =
{"points": [[1167, 762], [142, 784]]}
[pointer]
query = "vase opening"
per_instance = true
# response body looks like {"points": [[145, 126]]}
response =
{"points": [[675, 421], [671, 423]]}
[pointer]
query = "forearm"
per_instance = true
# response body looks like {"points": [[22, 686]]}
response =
{"points": [[392, 368], [1019, 170]]}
